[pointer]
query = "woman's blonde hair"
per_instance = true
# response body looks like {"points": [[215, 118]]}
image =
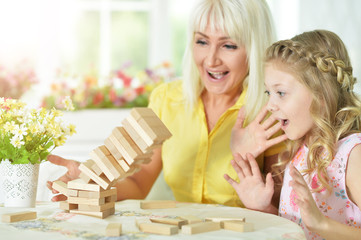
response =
{"points": [[249, 23], [319, 60]]}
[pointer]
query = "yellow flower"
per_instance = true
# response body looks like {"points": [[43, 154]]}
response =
{"points": [[68, 103]]}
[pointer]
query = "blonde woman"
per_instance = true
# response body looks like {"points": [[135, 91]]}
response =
{"points": [[222, 72]]}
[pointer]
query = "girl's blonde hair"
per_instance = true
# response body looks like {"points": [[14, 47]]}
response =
{"points": [[319, 60], [249, 23]]}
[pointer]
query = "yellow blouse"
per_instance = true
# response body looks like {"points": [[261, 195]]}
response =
{"points": [[194, 161]]}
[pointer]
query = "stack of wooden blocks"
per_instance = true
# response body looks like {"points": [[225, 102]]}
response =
{"points": [[123, 151]]}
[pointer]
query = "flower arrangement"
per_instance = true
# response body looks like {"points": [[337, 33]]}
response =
{"points": [[119, 90], [16, 81], [29, 135]]}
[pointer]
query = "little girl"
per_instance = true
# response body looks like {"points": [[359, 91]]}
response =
{"points": [[310, 87]]}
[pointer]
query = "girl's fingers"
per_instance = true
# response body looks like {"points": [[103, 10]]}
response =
{"points": [[269, 122], [244, 165], [273, 129], [240, 118], [276, 140], [262, 114], [230, 180]]}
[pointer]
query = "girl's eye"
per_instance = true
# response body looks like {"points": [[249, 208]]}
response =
{"points": [[267, 92], [282, 94], [230, 46], [201, 42]]}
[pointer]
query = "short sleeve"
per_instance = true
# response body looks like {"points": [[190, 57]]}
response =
{"points": [[156, 99]]}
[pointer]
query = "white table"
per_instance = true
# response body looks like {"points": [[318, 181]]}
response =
{"points": [[53, 223]]}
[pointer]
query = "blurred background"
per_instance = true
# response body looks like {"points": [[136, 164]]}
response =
{"points": [[69, 41], [110, 54]]}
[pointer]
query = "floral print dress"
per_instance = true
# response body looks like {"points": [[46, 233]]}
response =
{"points": [[336, 205]]}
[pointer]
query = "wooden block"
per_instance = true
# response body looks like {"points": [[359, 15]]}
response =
{"points": [[191, 219], [85, 178], [143, 146], [171, 221], [125, 144], [88, 201], [220, 219], [79, 184], [96, 169], [158, 228], [18, 216], [113, 230], [142, 112], [85, 167], [157, 204], [107, 164], [61, 187], [200, 227], [102, 215], [101, 194], [93, 208], [113, 150], [155, 129], [112, 198], [72, 193], [238, 226], [67, 206]]}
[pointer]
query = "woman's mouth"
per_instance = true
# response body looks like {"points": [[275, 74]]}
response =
{"points": [[217, 75]]}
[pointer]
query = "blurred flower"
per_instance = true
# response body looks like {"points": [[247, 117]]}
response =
{"points": [[118, 90], [16, 81]]}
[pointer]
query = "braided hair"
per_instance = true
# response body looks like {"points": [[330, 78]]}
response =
{"points": [[319, 60]]}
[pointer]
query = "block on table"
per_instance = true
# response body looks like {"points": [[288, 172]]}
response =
{"points": [[171, 221], [18, 216], [157, 204], [113, 229], [200, 227], [191, 219], [238, 226], [87, 201], [157, 228], [221, 219]]}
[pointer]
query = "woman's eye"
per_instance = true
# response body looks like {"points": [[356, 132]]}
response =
{"points": [[282, 94], [201, 42], [230, 46]]}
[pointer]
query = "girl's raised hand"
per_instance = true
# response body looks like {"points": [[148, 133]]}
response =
{"points": [[251, 189], [310, 214], [256, 137]]}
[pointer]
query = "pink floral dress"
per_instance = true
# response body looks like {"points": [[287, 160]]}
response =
{"points": [[336, 205]]}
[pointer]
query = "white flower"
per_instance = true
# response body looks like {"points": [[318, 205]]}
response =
{"points": [[17, 141]]}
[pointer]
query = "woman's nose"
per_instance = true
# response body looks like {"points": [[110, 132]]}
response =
{"points": [[213, 57]]}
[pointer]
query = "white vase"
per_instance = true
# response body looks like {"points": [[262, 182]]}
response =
{"points": [[20, 183]]}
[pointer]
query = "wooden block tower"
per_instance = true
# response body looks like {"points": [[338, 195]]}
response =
{"points": [[123, 151]]}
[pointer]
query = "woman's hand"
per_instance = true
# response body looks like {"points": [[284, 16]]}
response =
{"points": [[255, 138], [251, 189], [72, 173], [310, 214]]}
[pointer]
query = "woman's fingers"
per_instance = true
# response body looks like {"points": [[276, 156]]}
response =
{"points": [[262, 114], [57, 160]]}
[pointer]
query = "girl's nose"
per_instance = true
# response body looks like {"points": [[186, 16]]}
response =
{"points": [[271, 106]]}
